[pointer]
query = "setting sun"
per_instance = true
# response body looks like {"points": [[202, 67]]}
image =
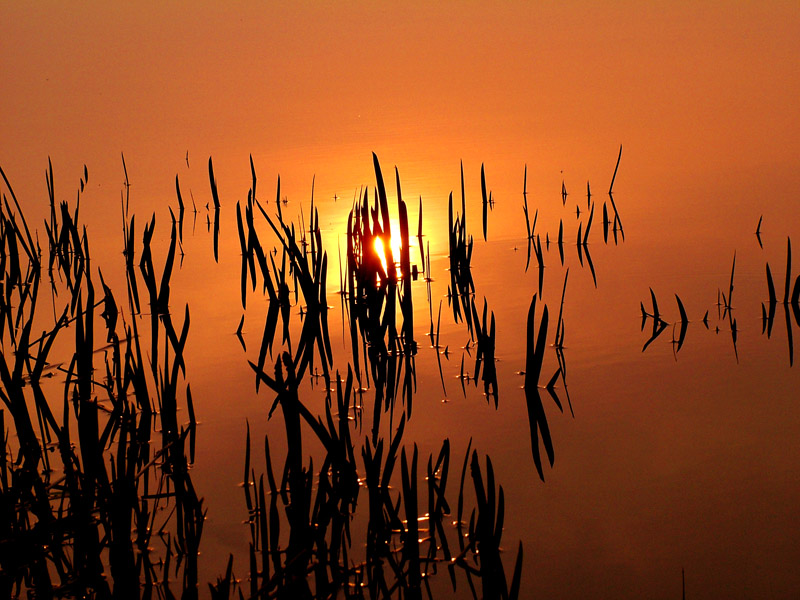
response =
{"points": [[395, 244]]}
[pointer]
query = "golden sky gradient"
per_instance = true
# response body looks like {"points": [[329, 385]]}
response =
{"points": [[691, 88]]}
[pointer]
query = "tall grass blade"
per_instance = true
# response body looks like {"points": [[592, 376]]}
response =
{"points": [[771, 287], [485, 201], [788, 269], [463, 200], [588, 226], [789, 337], [216, 235], [244, 250], [616, 168], [591, 264], [513, 592], [525, 201], [213, 182], [796, 292], [684, 318], [540, 261], [534, 358], [559, 342], [181, 208], [656, 315], [684, 323]]}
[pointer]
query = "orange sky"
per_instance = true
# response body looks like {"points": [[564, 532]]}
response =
{"points": [[687, 88]]}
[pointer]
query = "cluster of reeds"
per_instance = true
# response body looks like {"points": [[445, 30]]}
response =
{"points": [[461, 295], [405, 544], [724, 303], [377, 295], [93, 503], [659, 325], [534, 359], [86, 490], [582, 238], [536, 341], [791, 300]]}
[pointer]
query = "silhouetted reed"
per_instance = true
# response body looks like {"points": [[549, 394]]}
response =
{"points": [[486, 202], [94, 503], [659, 325], [70, 505], [791, 302], [684, 323], [758, 232], [617, 224], [462, 286], [534, 357], [725, 309], [398, 558]]}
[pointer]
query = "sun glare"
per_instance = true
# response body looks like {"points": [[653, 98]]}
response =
{"points": [[395, 246]]}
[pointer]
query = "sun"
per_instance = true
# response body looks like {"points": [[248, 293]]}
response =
{"points": [[395, 245]]}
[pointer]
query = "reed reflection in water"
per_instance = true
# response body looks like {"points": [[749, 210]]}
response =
{"points": [[97, 503]]}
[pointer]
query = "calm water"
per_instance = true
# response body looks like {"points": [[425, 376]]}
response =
{"points": [[673, 460]]}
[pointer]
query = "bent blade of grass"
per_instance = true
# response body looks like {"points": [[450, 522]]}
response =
{"points": [[684, 318], [658, 328], [213, 182], [591, 264], [788, 269], [588, 225], [559, 341], [614, 176], [758, 232], [771, 287], [181, 207], [525, 201], [796, 292]]}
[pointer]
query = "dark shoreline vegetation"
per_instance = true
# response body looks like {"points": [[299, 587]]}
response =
{"points": [[96, 493]]}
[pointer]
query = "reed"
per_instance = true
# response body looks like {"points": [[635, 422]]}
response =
{"points": [[659, 325], [684, 322], [558, 342], [116, 476], [394, 557], [788, 270], [90, 492], [617, 221], [485, 202], [533, 366], [758, 231]]}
